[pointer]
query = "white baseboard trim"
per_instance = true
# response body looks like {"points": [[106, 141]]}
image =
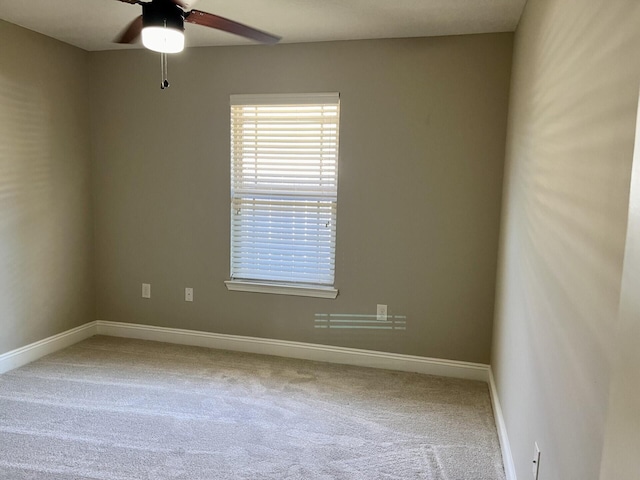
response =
{"points": [[306, 351], [21, 356], [505, 446]]}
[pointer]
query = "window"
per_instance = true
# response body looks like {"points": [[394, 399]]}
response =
{"points": [[284, 192]]}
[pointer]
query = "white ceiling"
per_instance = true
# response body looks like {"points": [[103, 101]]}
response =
{"points": [[93, 24]]}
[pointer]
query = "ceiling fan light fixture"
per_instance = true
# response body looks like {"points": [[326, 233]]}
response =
{"points": [[163, 39], [163, 26]]}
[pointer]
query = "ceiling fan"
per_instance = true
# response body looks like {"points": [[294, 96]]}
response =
{"points": [[162, 25]]}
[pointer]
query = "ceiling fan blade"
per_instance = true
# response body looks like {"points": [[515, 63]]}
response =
{"points": [[132, 2], [132, 32], [226, 25]]}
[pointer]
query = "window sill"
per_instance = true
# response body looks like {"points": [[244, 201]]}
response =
{"points": [[281, 289]]}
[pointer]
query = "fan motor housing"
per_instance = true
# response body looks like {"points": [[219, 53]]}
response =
{"points": [[162, 13]]}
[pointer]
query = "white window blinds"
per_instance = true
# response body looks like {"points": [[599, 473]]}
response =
{"points": [[284, 186]]}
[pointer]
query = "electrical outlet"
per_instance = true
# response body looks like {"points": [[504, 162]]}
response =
{"points": [[382, 312], [536, 461], [188, 294], [146, 290]]}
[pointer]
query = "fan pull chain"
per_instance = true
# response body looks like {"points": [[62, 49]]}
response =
{"points": [[164, 68]]}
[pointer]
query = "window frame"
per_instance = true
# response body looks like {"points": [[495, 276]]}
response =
{"points": [[293, 286]]}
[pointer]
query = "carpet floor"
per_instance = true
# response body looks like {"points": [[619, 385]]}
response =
{"points": [[120, 409]]}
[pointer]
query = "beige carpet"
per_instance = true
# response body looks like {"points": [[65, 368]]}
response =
{"points": [[110, 408]]}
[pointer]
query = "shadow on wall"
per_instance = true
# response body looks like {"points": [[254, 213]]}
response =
{"points": [[27, 225], [569, 147]]}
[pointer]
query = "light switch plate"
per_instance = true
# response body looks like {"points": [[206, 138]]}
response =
{"points": [[146, 290]]}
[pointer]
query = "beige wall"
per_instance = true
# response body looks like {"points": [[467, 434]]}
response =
{"points": [[422, 149], [570, 142], [46, 254]]}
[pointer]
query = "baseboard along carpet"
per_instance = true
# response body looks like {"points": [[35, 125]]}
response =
{"points": [[120, 409]]}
